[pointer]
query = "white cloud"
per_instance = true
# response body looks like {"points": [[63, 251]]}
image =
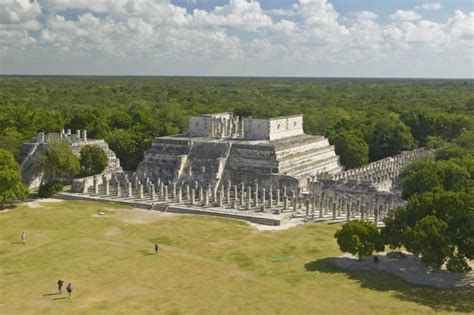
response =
{"points": [[402, 15], [281, 12], [429, 6], [157, 34]]}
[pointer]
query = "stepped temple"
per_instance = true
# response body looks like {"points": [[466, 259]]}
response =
{"points": [[266, 171], [222, 147]]}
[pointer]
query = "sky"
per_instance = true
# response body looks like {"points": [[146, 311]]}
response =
{"points": [[285, 38]]}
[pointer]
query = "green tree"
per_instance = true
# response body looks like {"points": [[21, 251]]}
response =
{"points": [[59, 161], [93, 160], [123, 143], [438, 226], [390, 137], [420, 176], [359, 237], [429, 239], [352, 149], [10, 179]]}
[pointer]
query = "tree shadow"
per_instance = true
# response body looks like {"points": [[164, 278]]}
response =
{"points": [[454, 300], [146, 252], [8, 207], [17, 243]]}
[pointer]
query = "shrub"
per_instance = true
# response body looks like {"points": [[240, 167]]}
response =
{"points": [[49, 189]]}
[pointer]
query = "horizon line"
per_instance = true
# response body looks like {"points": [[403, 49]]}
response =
{"points": [[234, 76]]}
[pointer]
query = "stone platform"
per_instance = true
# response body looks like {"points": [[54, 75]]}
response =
{"points": [[250, 216]]}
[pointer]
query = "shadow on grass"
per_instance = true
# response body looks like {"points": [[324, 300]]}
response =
{"points": [[145, 252], [455, 300], [49, 294], [8, 207], [61, 298]]}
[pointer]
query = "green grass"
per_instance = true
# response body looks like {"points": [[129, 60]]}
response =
{"points": [[206, 266]]}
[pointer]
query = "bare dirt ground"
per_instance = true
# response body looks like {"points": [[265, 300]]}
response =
{"points": [[286, 226], [38, 203], [411, 269]]}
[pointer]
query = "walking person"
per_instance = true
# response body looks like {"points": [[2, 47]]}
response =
{"points": [[23, 238], [69, 289], [156, 249], [60, 286]]}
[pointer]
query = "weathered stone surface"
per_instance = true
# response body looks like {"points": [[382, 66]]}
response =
{"points": [[32, 152], [272, 152]]}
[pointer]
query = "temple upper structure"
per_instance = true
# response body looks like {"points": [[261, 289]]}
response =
{"points": [[226, 125], [222, 147]]}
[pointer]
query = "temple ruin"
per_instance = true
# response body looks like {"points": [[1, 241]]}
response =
{"points": [[32, 152], [266, 171]]}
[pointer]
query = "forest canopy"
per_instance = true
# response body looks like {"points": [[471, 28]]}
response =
{"points": [[368, 118]]}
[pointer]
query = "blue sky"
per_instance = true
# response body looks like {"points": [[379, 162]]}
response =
{"points": [[313, 38]]}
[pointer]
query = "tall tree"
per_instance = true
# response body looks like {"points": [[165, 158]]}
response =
{"points": [[390, 137], [10, 179], [59, 160], [359, 237], [93, 160], [352, 149], [438, 226]]}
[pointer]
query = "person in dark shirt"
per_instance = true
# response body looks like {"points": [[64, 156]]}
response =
{"points": [[60, 285], [156, 249]]}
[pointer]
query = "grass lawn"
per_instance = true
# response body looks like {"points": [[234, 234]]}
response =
{"points": [[206, 265]]}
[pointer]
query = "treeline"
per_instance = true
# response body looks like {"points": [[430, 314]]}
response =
{"points": [[366, 119]]}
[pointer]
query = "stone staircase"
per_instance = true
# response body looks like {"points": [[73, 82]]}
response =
{"points": [[207, 161]]}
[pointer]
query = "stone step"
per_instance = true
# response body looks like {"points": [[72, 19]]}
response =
{"points": [[310, 154], [309, 144], [313, 166]]}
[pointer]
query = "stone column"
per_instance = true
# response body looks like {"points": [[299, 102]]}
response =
{"points": [[140, 191], [256, 196], [348, 212], [179, 195], [334, 206], [193, 195], [173, 190], [118, 189], [221, 197], [249, 195], [270, 198], [285, 202], [206, 197], [234, 204], [264, 196], [187, 193], [129, 190], [162, 191], [227, 195], [201, 194], [278, 197], [214, 193], [96, 185], [106, 187], [165, 193], [321, 204], [152, 191], [307, 206], [242, 193]]}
